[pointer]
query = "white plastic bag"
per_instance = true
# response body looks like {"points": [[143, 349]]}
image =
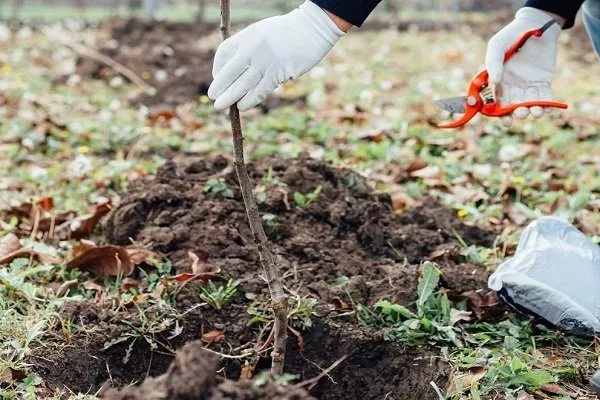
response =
{"points": [[554, 276]]}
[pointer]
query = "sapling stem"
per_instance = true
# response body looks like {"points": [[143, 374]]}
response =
{"points": [[278, 297]]}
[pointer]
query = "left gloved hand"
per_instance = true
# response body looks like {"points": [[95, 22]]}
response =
{"points": [[251, 64]]}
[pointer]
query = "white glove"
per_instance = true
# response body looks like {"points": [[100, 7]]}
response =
{"points": [[528, 75], [251, 64]]}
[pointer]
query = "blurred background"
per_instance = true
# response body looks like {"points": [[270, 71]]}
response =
{"points": [[186, 10]]}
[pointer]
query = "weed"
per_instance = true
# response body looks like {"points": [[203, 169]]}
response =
{"points": [[430, 323], [304, 200], [270, 220], [300, 311], [474, 254], [218, 187], [218, 296]]}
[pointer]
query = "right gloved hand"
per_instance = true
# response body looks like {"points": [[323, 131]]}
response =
{"points": [[251, 64], [528, 75]]}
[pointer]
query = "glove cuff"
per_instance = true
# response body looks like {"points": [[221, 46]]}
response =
{"points": [[319, 19]]}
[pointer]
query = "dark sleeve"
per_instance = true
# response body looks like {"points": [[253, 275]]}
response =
{"points": [[565, 8], [353, 11]]}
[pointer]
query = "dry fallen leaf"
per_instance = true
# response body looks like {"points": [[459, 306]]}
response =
{"points": [[553, 388], [461, 382], [212, 337], [247, 371], [29, 253], [9, 244], [65, 287], [187, 277], [200, 266], [91, 285], [201, 270], [140, 255], [11, 376], [103, 261], [129, 284], [523, 395], [416, 165], [84, 225], [456, 316], [483, 304], [82, 246]]}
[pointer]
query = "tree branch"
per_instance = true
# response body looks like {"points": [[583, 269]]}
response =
{"points": [[278, 297]]}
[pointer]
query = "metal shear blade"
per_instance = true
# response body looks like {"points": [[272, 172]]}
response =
{"points": [[454, 105]]}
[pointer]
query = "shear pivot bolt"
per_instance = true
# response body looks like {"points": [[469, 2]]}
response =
{"points": [[471, 100]]}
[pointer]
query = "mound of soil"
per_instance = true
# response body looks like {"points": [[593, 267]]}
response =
{"points": [[347, 233], [192, 375], [168, 55]]}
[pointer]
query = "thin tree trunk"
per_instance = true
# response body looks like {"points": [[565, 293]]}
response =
{"points": [[278, 297]]}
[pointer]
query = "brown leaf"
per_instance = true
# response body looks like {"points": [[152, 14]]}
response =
{"points": [[9, 244], [523, 395], [65, 287], [483, 304], [91, 285], [187, 277], [199, 264], [429, 172], [160, 114], [129, 284], [585, 220], [456, 316], [11, 376], [460, 382], [247, 371], [201, 270], [103, 261], [84, 225], [416, 164], [299, 338], [140, 255], [29, 253], [553, 388], [46, 203], [82, 246], [212, 337], [341, 305]]}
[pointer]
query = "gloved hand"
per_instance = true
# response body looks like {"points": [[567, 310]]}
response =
{"points": [[528, 75], [251, 64]]}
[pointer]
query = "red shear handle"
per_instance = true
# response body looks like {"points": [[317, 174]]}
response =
{"points": [[496, 110], [534, 32]]}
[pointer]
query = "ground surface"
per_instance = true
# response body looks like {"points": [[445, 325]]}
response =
{"points": [[357, 190]]}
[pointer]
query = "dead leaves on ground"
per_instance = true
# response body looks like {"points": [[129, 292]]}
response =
{"points": [[201, 270], [109, 260], [40, 217], [102, 261], [462, 381], [11, 249]]}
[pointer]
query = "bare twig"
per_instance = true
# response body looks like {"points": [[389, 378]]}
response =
{"points": [[278, 297], [313, 381]]}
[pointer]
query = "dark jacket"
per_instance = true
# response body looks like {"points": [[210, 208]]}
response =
{"points": [[356, 11]]}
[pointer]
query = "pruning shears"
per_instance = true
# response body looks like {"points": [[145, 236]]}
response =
{"points": [[480, 97]]}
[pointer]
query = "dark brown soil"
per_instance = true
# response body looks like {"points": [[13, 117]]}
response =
{"points": [[170, 56], [148, 47], [192, 375], [348, 231]]}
